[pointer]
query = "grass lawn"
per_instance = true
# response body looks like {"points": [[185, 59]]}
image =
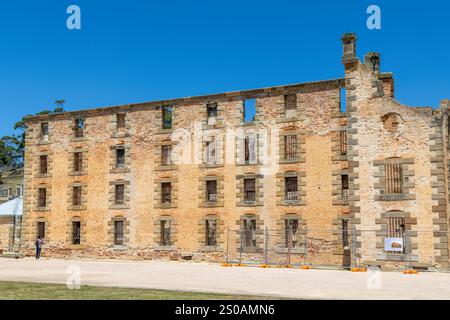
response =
{"points": [[35, 291]]}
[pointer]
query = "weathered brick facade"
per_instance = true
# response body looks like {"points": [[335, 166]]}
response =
{"points": [[11, 184], [289, 163], [11, 187]]}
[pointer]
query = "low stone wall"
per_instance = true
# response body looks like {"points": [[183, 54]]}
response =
{"points": [[319, 252], [124, 254]]}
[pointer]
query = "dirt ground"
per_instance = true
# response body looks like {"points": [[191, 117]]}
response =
{"points": [[211, 278]]}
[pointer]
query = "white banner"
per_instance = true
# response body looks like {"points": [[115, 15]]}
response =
{"points": [[393, 244]]}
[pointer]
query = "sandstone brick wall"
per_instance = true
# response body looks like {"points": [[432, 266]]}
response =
{"points": [[6, 232], [142, 139], [317, 122], [417, 144]]}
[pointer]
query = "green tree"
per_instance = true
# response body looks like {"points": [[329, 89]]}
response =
{"points": [[10, 155], [20, 137], [59, 106]]}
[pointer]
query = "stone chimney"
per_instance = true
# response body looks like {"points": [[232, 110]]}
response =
{"points": [[349, 42], [372, 61]]}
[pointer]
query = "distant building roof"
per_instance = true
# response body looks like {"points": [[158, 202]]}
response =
{"points": [[12, 208], [11, 172]]}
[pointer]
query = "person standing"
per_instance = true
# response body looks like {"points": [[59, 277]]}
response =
{"points": [[39, 243]]}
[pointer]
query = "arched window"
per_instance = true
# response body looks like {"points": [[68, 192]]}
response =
{"points": [[211, 231], [396, 231], [291, 186], [248, 239], [393, 176], [291, 227]]}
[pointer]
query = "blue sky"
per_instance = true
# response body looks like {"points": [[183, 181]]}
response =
{"points": [[135, 51]]}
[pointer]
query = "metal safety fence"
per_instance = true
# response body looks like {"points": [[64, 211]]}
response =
{"points": [[342, 247]]}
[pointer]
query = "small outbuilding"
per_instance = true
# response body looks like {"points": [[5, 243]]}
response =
{"points": [[10, 221]]}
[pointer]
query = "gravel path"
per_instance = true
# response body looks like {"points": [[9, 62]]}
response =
{"points": [[203, 277]]}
